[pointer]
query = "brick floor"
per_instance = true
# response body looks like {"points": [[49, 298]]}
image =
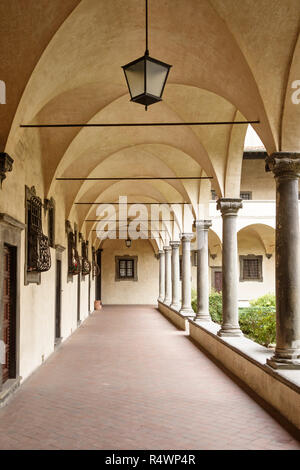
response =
{"points": [[128, 379]]}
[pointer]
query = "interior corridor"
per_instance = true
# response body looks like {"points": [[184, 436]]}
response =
{"points": [[128, 379]]}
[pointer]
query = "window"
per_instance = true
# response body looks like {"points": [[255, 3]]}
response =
{"points": [[246, 195], [251, 268], [126, 268]]}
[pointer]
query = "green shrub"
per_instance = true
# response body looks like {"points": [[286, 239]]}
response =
{"points": [[215, 306], [267, 300], [258, 322], [194, 295], [194, 300]]}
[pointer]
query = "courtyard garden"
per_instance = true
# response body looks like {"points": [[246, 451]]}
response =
{"points": [[257, 322]]}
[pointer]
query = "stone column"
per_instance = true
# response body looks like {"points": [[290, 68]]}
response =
{"points": [[186, 307], [175, 275], [286, 168], [202, 227], [230, 324], [161, 275], [168, 276]]}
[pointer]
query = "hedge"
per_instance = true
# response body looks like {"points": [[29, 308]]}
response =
{"points": [[258, 322]]}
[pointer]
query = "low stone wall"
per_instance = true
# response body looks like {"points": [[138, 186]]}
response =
{"points": [[174, 316], [246, 360]]}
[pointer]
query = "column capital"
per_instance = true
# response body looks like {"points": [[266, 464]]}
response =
{"points": [[284, 164], [161, 252], [203, 224], [187, 237], [229, 206], [167, 248], [175, 243]]}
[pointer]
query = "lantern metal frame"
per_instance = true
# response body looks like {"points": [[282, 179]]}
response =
{"points": [[128, 242], [146, 98]]}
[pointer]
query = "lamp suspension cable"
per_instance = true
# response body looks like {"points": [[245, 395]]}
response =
{"points": [[147, 42]]}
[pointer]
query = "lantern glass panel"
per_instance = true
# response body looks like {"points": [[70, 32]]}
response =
{"points": [[135, 77], [156, 77]]}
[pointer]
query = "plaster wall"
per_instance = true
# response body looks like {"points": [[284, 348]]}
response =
{"points": [[84, 292], [143, 291], [255, 179], [37, 314], [36, 320], [248, 290], [69, 301], [37, 302]]}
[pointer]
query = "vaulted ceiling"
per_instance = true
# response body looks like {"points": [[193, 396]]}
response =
{"points": [[232, 60]]}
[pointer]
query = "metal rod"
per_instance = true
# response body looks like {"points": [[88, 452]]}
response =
{"points": [[154, 230], [133, 178], [112, 220], [142, 124], [143, 226], [129, 203]]}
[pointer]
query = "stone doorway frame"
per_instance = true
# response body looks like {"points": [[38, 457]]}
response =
{"points": [[11, 234]]}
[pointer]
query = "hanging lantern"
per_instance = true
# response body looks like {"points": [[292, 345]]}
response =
{"points": [[146, 77], [128, 242]]}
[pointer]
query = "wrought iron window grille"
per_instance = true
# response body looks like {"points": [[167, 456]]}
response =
{"points": [[38, 250], [86, 265], [74, 265]]}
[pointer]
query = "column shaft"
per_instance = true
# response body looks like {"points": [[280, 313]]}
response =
{"points": [[286, 168], [230, 324], [175, 275], [168, 276], [161, 276], [202, 270], [186, 307]]}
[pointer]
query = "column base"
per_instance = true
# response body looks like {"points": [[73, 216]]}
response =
{"points": [[160, 299], [167, 302], [283, 364], [285, 359], [230, 332], [187, 312], [176, 306], [202, 317]]}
